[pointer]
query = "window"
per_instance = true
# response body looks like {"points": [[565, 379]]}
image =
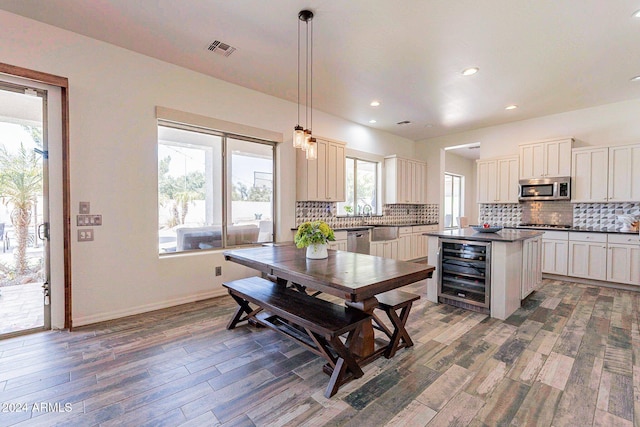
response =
{"points": [[215, 189], [362, 188], [453, 200]]}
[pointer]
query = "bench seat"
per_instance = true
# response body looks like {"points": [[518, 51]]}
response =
{"points": [[314, 323], [390, 302]]}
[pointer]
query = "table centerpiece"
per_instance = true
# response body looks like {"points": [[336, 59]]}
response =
{"points": [[314, 236]]}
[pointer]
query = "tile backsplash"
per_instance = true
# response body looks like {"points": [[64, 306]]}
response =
{"points": [[603, 216], [504, 214], [592, 216], [551, 212], [391, 214]]}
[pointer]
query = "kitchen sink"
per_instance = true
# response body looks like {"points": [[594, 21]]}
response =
{"points": [[384, 233]]}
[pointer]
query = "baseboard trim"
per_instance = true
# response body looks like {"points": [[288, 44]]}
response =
{"points": [[132, 311], [621, 286]]}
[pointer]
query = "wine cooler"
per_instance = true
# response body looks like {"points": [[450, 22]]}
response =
{"points": [[465, 274]]}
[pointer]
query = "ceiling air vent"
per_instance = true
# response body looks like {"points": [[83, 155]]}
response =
{"points": [[404, 122], [221, 48]]}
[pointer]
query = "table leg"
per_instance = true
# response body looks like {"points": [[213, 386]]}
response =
{"points": [[362, 345]]}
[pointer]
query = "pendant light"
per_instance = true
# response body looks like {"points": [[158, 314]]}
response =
{"points": [[298, 131], [302, 138]]}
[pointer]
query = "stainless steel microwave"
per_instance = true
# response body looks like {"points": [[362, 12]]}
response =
{"points": [[558, 188]]}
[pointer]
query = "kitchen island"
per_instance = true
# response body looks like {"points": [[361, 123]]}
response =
{"points": [[513, 268]]}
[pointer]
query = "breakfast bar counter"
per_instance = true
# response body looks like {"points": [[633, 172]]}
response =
{"points": [[510, 271], [504, 235]]}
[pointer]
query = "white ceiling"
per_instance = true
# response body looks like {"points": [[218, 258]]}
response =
{"points": [[546, 56]]}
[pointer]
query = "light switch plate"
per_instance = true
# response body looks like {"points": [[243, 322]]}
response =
{"points": [[85, 208], [88, 220]]}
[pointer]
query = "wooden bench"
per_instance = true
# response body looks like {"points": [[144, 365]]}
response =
{"points": [[314, 323], [390, 302]]}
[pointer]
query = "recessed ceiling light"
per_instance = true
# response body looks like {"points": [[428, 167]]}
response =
{"points": [[636, 14], [470, 71], [511, 107], [372, 121], [375, 103], [428, 125], [635, 79]]}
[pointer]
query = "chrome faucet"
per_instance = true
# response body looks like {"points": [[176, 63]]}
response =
{"points": [[364, 210]]}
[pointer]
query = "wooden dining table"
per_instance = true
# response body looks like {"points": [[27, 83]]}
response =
{"points": [[356, 278]]}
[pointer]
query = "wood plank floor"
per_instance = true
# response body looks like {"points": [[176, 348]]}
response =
{"points": [[568, 357]]}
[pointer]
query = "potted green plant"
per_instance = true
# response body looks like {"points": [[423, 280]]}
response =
{"points": [[314, 236]]}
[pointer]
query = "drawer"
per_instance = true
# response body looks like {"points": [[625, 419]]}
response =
{"points": [[405, 230], [556, 235], [424, 228], [340, 235], [624, 239], [588, 237]]}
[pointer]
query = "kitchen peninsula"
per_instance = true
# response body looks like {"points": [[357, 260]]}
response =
{"points": [[507, 268]]}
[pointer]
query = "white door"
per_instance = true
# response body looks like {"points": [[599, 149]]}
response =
{"points": [[24, 213], [31, 118]]}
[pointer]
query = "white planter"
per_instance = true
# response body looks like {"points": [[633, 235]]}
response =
{"points": [[317, 251]]}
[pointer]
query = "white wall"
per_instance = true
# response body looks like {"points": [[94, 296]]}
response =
{"points": [[611, 124], [113, 94]]}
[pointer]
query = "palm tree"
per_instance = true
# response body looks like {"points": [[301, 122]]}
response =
{"points": [[20, 184]]}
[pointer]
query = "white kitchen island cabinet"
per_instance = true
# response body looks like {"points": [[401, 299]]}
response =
{"points": [[516, 265]]}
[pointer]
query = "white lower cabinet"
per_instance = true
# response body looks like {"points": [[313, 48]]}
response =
{"points": [[340, 244], [405, 249], [555, 252], [623, 259], [412, 244], [385, 249], [531, 266], [588, 255]]}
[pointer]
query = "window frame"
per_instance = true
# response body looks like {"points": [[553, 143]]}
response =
{"points": [[378, 187], [225, 165], [461, 185]]}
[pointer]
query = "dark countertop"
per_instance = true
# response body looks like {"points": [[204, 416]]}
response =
{"points": [[504, 235], [354, 228], [413, 224], [578, 229], [369, 227]]}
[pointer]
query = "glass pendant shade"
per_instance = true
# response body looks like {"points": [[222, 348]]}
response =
{"points": [[298, 137], [307, 139], [312, 149]]}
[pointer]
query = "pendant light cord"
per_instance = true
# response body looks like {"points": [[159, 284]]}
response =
{"points": [[306, 80], [311, 77], [298, 72]]}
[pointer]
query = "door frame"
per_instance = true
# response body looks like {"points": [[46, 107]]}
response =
{"points": [[63, 84]]}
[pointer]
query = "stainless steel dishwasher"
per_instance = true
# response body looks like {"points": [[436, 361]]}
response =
{"points": [[358, 241]]}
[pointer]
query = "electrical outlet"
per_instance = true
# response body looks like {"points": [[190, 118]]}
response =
{"points": [[85, 235], [218, 271], [85, 208]]}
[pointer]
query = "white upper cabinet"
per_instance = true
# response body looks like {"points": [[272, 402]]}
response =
{"points": [[546, 159], [405, 181], [624, 173], [498, 180], [322, 179], [589, 174], [606, 174]]}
